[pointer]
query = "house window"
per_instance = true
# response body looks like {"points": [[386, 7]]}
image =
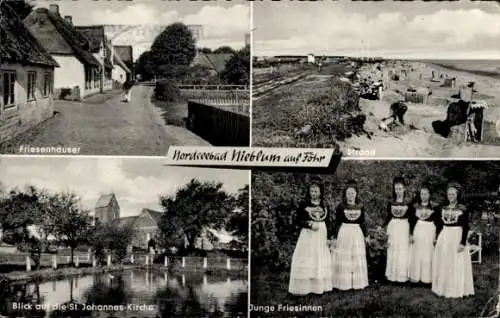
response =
{"points": [[47, 84], [31, 86], [8, 87]]}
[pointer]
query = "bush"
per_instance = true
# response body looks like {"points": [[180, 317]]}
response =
{"points": [[490, 236], [377, 252], [334, 112], [275, 197], [167, 90]]}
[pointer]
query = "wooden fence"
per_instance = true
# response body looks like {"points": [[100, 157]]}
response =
{"points": [[239, 99], [413, 97], [213, 87], [181, 262], [220, 126]]}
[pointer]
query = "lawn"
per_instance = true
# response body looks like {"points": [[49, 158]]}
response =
{"points": [[379, 299]]}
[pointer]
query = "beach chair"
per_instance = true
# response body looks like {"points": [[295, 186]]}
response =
{"points": [[475, 240], [475, 121]]}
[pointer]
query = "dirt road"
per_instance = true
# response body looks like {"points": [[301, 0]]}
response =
{"points": [[104, 125]]}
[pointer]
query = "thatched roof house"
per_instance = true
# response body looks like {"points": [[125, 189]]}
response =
{"points": [[26, 74], [18, 45], [214, 61], [118, 61], [65, 39], [97, 42], [79, 72], [125, 53]]}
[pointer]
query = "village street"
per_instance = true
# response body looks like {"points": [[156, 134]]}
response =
{"points": [[104, 125]]}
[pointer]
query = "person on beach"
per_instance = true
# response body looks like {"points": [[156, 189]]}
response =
{"points": [[397, 112], [350, 269], [311, 270], [398, 232], [452, 266], [424, 228], [127, 89]]}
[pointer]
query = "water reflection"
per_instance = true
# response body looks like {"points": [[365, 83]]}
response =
{"points": [[148, 293]]}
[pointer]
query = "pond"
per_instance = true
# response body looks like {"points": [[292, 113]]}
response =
{"points": [[132, 293]]}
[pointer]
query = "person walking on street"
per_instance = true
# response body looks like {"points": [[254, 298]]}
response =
{"points": [[127, 88]]}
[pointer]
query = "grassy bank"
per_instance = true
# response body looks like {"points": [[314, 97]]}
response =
{"points": [[173, 113], [320, 103], [380, 300]]}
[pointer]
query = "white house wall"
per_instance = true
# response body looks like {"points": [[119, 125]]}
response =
{"points": [[25, 114], [70, 74]]}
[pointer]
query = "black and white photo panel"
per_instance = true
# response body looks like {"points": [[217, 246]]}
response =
{"points": [[377, 239], [386, 79], [114, 237], [123, 77]]}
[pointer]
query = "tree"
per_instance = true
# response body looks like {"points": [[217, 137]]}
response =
{"points": [[225, 49], [112, 237], [19, 210], [145, 66], [194, 207], [238, 220], [21, 7], [174, 46], [205, 50], [71, 224], [237, 70]]}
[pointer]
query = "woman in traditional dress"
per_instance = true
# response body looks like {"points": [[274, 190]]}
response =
{"points": [[350, 269], [398, 232], [311, 270], [452, 266], [424, 228]]}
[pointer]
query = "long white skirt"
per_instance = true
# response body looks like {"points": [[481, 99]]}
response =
{"points": [[350, 269], [398, 252], [421, 252], [451, 270], [311, 270]]}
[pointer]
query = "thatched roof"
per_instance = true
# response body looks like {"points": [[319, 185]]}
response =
{"points": [[215, 61], [95, 35], [96, 38], [66, 40], [18, 45], [118, 61], [125, 53]]}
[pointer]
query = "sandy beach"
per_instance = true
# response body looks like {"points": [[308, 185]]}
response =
{"points": [[421, 141]]}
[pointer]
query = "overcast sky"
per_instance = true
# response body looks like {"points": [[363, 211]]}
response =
{"points": [[137, 183], [417, 29], [223, 22]]}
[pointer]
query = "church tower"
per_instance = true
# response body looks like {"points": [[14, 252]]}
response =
{"points": [[107, 208]]}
